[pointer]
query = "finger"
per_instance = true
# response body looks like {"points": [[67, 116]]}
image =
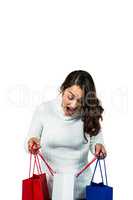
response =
{"points": [[31, 145], [103, 149], [33, 151], [104, 152], [34, 145], [33, 141], [103, 156], [98, 149], [100, 155]]}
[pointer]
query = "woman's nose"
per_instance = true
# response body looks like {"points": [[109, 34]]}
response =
{"points": [[73, 104]]}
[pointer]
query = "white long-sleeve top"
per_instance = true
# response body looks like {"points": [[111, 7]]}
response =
{"points": [[62, 141]]}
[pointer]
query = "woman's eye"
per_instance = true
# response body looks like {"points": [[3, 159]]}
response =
{"points": [[70, 97]]}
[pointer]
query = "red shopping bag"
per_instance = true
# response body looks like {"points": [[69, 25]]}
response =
{"points": [[35, 187]]}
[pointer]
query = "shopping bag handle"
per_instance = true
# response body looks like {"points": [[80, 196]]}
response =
{"points": [[38, 166], [98, 161], [85, 167], [46, 163]]}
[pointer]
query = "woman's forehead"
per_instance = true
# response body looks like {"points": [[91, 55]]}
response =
{"points": [[75, 91]]}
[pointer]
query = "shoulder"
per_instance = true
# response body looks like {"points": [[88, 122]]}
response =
{"points": [[44, 106]]}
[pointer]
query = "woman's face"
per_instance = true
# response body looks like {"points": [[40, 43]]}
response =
{"points": [[71, 100]]}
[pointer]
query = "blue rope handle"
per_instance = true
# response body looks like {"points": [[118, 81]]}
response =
{"points": [[105, 172], [95, 170], [101, 171], [98, 161]]}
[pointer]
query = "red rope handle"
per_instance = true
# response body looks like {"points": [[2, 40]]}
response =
{"points": [[35, 164], [48, 166], [35, 156], [30, 165], [46, 163], [85, 167], [39, 164], [30, 162]]}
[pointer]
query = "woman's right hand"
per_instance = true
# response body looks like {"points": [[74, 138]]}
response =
{"points": [[34, 148]]}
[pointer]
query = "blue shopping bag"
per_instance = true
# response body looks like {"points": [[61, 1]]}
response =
{"points": [[99, 191]]}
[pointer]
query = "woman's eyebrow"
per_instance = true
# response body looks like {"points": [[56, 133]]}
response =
{"points": [[73, 94]]}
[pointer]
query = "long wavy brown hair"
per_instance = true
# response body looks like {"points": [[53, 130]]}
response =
{"points": [[91, 108]]}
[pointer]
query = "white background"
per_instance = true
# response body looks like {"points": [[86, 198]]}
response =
{"points": [[40, 43]]}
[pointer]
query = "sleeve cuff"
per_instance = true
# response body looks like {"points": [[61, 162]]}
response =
{"points": [[98, 139]]}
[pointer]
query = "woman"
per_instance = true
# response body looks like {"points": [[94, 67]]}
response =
{"points": [[68, 127]]}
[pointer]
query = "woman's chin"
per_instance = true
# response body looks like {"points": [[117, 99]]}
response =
{"points": [[67, 113]]}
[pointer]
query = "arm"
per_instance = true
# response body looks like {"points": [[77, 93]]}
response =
{"points": [[36, 126], [98, 139]]}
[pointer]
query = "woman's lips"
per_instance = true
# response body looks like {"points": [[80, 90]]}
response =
{"points": [[71, 110]]}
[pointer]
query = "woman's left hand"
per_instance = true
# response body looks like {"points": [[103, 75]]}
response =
{"points": [[100, 151]]}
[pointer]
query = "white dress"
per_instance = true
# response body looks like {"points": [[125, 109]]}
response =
{"points": [[62, 142]]}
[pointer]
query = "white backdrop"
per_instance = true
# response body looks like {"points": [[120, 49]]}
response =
{"points": [[40, 43]]}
